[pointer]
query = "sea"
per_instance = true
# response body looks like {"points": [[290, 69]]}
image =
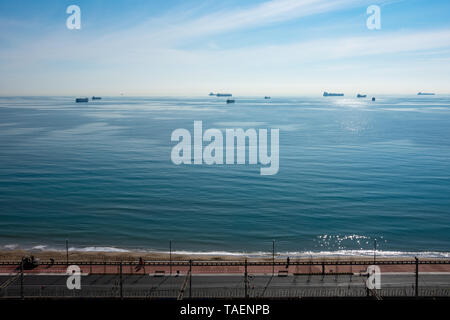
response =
{"points": [[355, 176]]}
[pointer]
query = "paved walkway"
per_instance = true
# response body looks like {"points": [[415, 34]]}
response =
{"points": [[292, 269]]}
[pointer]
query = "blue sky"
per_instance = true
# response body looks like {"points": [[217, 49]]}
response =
{"points": [[272, 47]]}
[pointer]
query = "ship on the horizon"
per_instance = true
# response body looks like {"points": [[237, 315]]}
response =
{"points": [[78, 100], [230, 101], [223, 94], [96, 98], [212, 94], [361, 95], [425, 94], [330, 94]]}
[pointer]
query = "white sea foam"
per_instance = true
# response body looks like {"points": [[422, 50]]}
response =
{"points": [[40, 247], [13, 246], [99, 249]]}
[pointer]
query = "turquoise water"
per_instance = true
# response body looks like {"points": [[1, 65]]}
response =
{"points": [[351, 171]]}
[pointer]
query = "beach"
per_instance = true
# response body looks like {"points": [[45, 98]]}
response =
{"points": [[83, 256], [103, 256]]}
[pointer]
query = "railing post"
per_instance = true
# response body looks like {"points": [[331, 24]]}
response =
{"points": [[21, 280], [121, 284], [246, 280], [417, 277], [170, 257], [190, 278], [273, 258], [367, 288]]}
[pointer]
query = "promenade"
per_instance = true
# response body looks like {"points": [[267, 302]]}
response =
{"points": [[228, 279]]}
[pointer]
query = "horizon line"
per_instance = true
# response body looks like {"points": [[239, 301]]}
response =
{"points": [[234, 95]]}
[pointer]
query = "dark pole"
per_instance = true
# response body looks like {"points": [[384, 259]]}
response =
{"points": [[21, 279], [310, 265], [67, 252], [273, 257], [367, 288], [170, 256], [417, 276], [190, 278], [374, 250], [121, 283], [246, 280], [337, 267]]}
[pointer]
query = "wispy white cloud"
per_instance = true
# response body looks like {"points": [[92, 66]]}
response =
{"points": [[162, 33], [263, 14], [345, 47]]}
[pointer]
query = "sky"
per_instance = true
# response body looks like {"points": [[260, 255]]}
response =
{"points": [[248, 48]]}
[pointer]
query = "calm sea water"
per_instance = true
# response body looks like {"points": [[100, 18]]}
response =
{"points": [[351, 171]]}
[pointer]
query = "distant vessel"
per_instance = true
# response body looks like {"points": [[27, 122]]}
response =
{"points": [[96, 98], [425, 94], [361, 95], [81, 100], [230, 100], [212, 94], [266, 97], [373, 98], [223, 94], [330, 94]]}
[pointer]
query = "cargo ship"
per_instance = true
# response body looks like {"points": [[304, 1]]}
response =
{"points": [[223, 94], [425, 94], [330, 94], [361, 95], [81, 100], [96, 98], [230, 100]]}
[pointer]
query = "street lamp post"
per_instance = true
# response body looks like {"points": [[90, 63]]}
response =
{"points": [[67, 252], [374, 250], [190, 278]]}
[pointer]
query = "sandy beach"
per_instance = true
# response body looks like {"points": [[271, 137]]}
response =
{"points": [[86, 256], [101, 256]]}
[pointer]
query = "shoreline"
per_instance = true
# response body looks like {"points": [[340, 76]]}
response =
{"points": [[102, 256]]}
